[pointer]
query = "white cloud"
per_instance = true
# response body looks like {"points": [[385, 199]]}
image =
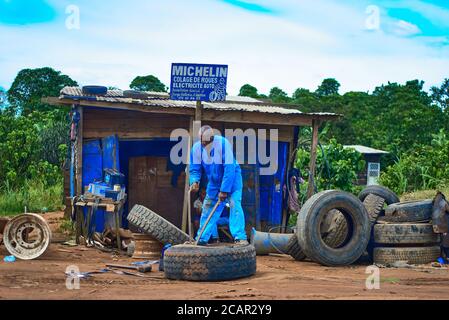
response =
{"points": [[306, 43], [405, 29]]}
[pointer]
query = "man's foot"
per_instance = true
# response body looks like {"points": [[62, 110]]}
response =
{"points": [[241, 242], [202, 243], [214, 241]]}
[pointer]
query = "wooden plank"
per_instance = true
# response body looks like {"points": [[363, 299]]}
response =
{"points": [[312, 164], [256, 117], [79, 155]]}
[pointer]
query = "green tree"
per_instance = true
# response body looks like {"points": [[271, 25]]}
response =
{"points": [[277, 95], [440, 95], [328, 87], [248, 90], [30, 85], [148, 83], [3, 98]]}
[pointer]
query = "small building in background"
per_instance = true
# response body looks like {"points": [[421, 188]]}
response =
{"points": [[370, 175]]}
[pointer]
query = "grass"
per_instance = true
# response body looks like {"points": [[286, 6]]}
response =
{"points": [[424, 194], [35, 196]]}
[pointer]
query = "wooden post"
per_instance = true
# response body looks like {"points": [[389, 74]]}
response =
{"points": [[79, 155], [186, 225], [312, 164]]}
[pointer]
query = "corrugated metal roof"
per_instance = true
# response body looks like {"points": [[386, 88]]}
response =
{"points": [[157, 99], [365, 150]]}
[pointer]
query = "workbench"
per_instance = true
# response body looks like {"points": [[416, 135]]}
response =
{"points": [[93, 203]]}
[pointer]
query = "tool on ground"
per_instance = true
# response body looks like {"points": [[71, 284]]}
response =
{"points": [[200, 234], [141, 268], [141, 263]]}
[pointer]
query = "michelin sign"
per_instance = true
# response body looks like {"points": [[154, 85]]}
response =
{"points": [[198, 82]]}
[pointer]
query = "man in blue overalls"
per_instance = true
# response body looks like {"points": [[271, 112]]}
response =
{"points": [[214, 154]]}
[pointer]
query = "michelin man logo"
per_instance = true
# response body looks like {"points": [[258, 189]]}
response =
{"points": [[219, 93]]}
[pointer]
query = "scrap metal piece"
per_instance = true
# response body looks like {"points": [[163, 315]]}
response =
{"points": [[27, 236]]}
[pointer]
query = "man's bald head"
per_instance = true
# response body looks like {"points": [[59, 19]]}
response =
{"points": [[206, 135]]}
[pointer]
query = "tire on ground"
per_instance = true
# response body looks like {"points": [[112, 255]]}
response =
{"points": [[309, 234], [151, 223], [411, 211], [338, 232], [389, 196], [405, 233], [209, 263], [374, 206], [411, 255], [294, 249]]}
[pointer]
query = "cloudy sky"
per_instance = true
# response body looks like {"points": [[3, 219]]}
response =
{"points": [[285, 43]]}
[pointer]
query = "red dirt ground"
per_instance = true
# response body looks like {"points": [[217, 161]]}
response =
{"points": [[277, 277]]}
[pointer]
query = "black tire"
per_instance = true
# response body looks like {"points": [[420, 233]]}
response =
{"points": [[389, 196], [374, 206], [294, 249], [338, 234], [309, 222], [405, 233], [412, 255], [411, 211], [151, 223], [209, 263], [134, 94], [95, 90]]}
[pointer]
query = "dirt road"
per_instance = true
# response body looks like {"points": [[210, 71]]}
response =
{"points": [[277, 277]]}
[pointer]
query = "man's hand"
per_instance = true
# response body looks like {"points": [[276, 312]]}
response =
{"points": [[223, 196], [195, 187]]}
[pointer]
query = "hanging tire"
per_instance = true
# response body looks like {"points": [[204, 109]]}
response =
{"points": [[209, 263], [294, 249], [413, 255], [389, 196], [95, 90], [309, 234], [411, 211], [405, 234], [153, 224]]}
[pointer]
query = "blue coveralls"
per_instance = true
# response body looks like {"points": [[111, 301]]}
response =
{"points": [[224, 174]]}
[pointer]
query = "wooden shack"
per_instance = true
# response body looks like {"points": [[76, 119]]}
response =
{"points": [[371, 173], [136, 132]]}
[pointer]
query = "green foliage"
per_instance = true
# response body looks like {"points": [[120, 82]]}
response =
{"points": [[328, 87], [148, 83], [248, 90], [337, 167], [30, 85], [37, 196], [440, 95], [26, 147], [425, 167], [277, 95]]}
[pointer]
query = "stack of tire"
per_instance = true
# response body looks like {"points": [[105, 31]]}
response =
{"points": [[405, 234], [401, 232], [367, 208]]}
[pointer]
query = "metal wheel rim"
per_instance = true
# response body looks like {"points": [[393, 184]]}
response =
{"points": [[15, 243]]}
